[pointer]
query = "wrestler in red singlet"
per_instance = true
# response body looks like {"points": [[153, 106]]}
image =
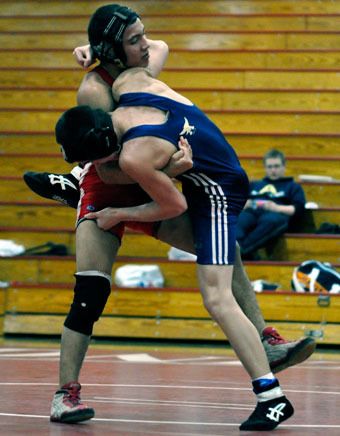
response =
{"points": [[96, 195]]}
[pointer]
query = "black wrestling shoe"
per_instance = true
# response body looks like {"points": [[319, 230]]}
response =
{"points": [[60, 187], [268, 415]]}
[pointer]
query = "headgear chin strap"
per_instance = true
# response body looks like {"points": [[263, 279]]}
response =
{"points": [[86, 134], [110, 45]]}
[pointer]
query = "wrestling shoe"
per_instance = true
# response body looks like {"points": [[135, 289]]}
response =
{"points": [[67, 406], [268, 415], [281, 353], [60, 187]]}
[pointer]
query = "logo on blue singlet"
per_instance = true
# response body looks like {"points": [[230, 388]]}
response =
{"points": [[187, 129]]}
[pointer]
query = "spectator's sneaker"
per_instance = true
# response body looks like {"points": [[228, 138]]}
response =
{"points": [[268, 415], [60, 187], [281, 353], [67, 406]]}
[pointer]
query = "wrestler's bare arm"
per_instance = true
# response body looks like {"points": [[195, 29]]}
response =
{"points": [[142, 159], [179, 163], [96, 93], [158, 51]]}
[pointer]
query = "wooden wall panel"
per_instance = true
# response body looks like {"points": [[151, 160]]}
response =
{"points": [[292, 144], [179, 79], [185, 7]]}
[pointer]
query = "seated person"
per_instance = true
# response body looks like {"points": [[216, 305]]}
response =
{"points": [[275, 201]]}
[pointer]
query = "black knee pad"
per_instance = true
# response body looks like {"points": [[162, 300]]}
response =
{"points": [[90, 296]]}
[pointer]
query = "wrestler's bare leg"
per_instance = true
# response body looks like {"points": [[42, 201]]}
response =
{"points": [[215, 285], [281, 353], [177, 233], [95, 251]]}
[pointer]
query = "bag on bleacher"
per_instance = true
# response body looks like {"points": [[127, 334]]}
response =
{"points": [[10, 248], [262, 285], [316, 276], [143, 276], [329, 228], [48, 249], [177, 254]]}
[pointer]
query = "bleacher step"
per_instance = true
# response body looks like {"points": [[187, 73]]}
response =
{"points": [[179, 274], [165, 313]]}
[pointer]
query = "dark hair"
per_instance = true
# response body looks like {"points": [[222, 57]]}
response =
{"points": [[274, 154], [86, 134], [105, 31]]}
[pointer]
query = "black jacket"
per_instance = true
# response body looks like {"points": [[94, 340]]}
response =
{"points": [[282, 191]]}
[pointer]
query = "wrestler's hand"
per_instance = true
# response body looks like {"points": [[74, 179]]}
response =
{"points": [[84, 56], [106, 218], [181, 160]]}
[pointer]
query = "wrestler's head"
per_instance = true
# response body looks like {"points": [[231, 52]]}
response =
{"points": [[86, 134], [116, 36]]}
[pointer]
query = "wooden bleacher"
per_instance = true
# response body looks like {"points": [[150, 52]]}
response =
{"points": [[294, 143], [225, 99], [268, 75], [292, 246], [162, 313], [12, 187], [15, 163], [179, 78], [38, 120], [219, 59]]}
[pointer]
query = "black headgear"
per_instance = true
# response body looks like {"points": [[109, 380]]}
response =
{"points": [[105, 31], [86, 134]]}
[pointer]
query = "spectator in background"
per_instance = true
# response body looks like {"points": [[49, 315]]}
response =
{"points": [[274, 202]]}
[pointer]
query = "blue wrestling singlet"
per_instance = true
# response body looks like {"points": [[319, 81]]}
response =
{"points": [[216, 188]]}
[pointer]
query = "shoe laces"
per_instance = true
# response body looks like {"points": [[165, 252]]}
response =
{"points": [[273, 337], [72, 393], [73, 396]]}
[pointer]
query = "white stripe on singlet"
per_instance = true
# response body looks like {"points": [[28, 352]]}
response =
{"points": [[219, 217]]}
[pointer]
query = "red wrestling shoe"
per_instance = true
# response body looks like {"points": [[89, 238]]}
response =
{"points": [[67, 406], [281, 353]]}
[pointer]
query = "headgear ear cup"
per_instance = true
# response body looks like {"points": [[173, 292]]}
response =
{"points": [[99, 142], [111, 140]]}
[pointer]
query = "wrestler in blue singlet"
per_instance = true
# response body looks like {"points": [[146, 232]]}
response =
{"points": [[216, 188]]}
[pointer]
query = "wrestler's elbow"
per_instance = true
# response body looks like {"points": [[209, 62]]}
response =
{"points": [[177, 207], [180, 209]]}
